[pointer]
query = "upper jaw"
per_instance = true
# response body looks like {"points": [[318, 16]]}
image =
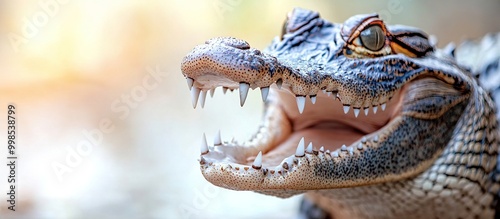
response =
{"points": [[231, 63]]}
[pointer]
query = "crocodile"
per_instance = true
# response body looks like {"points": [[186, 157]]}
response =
{"points": [[368, 120]]}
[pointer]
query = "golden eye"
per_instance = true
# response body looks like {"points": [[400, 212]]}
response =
{"points": [[373, 38]]}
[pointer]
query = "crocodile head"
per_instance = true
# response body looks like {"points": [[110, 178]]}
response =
{"points": [[346, 105]]}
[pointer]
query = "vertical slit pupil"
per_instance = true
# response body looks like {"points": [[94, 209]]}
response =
{"points": [[372, 38]]}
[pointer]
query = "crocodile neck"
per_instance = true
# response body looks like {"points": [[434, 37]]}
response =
{"points": [[462, 179]]}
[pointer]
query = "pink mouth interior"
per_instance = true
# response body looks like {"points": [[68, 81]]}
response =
{"points": [[325, 124]]}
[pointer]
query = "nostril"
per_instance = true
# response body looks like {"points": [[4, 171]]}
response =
{"points": [[229, 41]]}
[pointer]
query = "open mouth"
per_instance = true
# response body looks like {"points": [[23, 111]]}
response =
{"points": [[294, 126], [322, 130]]}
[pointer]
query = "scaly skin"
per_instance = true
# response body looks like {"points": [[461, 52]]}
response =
{"points": [[431, 153]]}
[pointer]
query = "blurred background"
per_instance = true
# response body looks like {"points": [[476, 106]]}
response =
{"points": [[105, 124]]}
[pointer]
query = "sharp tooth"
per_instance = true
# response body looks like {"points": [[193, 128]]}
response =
{"points": [[279, 83], [363, 140], [360, 146], [224, 90], [257, 163], [204, 145], [243, 92], [287, 163], [301, 102], [344, 148], [218, 139], [346, 109], [309, 148], [328, 93], [300, 148], [195, 93], [356, 112], [335, 154], [322, 149], [375, 109], [366, 111], [313, 99], [190, 82], [351, 150], [375, 139], [383, 106], [212, 91], [203, 97], [264, 92], [324, 91]]}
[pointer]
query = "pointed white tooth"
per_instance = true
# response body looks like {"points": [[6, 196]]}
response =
{"points": [[366, 111], [309, 148], [264, 92], [279, 83], [313, 99], [360, 146], [287, 163], [204, 145], [375, 139], [243, 92], [335, 154], [203, 97], [278, 169], [218, 139], [322, 149], [195, 93], [351, 150], [301, 102], [257, 163], [224, 90], [212, 92], [190, 82], [375, 109], [300, 148], [344, 148], [383, 106], [324, 91], [356, 112], [346, 109], [327, 151], [363, 140], [328, 94]]}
